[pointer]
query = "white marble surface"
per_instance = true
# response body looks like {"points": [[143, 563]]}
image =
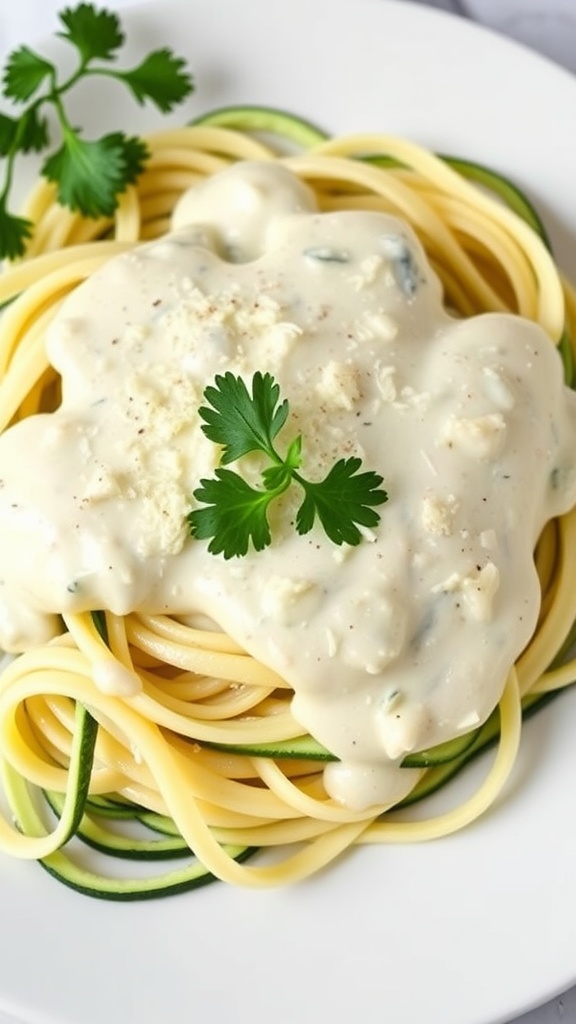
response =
{"points": [[546, 25]]}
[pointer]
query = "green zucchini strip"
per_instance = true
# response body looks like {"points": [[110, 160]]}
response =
{"points": [[79, 774], [169, 883], [264, 119], [115, 845]]}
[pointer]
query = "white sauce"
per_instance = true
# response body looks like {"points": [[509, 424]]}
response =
{"points": [[392, 646]]}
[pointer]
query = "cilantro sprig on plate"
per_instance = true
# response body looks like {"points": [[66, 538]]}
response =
{"points": [[89, 174], [235, 513]]}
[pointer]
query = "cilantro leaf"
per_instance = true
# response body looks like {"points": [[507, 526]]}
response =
{"points": [[341, 500], [14, 232], [242, 422], [161, 78], [90, 175], [33, 134], [24, 74], [23, 134], [94, 33], [135, 155], [236, 514], [8, 133]]}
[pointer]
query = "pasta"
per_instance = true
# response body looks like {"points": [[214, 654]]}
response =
{"points": [[163, 755]]}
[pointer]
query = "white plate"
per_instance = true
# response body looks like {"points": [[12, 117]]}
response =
{"points": [[467, 930]]}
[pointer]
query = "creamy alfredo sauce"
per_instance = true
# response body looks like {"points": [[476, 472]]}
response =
{"points": [[391, 646]]}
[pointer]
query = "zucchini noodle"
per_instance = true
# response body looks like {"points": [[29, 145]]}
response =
{"points": [[184, 750]]}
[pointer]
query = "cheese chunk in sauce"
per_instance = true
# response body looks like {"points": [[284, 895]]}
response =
{"points": [[392, 646]]}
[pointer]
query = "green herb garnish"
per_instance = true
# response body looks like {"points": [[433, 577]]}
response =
{"points": [[89, 175], [236, 514]]}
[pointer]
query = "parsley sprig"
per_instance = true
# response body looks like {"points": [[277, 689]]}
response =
{"points": [[236, 514], [89, 175]]}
